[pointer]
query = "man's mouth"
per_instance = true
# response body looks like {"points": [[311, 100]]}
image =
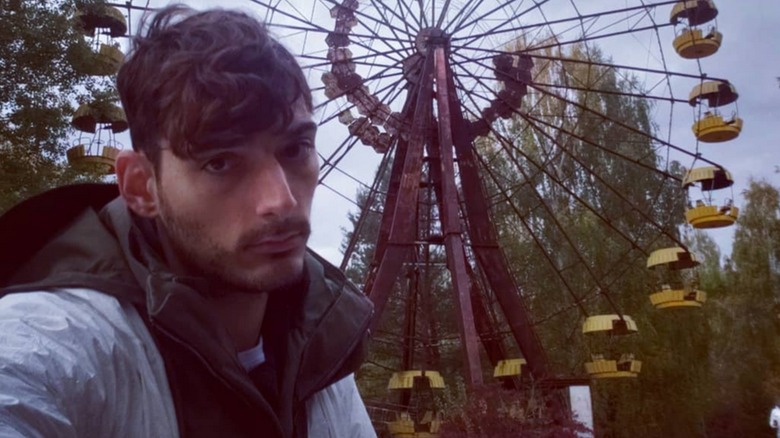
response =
{"points": [[278, 238], [277, 243]]}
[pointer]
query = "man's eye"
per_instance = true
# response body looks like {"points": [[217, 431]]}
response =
{"points": [[297, 151], [219, 164]]}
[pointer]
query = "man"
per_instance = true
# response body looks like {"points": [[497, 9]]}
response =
{"points": [[189, 305]]}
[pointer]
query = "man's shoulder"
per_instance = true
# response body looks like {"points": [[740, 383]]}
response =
{"points": [[70, 332], [68, 315], [334, 278], [67, 355]]}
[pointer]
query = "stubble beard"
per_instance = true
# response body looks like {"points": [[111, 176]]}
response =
{"points": [[202, 256]]}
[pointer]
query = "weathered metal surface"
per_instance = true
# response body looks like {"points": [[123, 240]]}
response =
{"points": [[485, 245], [453, 240], [402, 223]]}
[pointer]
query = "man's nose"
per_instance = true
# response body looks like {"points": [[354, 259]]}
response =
{"points": [[273, 194]]}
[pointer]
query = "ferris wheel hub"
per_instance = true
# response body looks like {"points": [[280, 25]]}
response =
{"points": [[431, 37]]}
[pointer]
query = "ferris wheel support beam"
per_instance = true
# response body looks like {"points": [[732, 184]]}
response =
{"points": [[485, 326], [399, 218], [485, 244], [453, 239]]}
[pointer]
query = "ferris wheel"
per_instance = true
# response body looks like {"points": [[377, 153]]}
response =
{"points": [[531, 156]]}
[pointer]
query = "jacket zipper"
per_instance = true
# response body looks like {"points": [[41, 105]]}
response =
{"points": [[216, 375]]}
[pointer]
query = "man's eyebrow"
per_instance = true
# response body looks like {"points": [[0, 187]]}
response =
{"points": [[294, 129], [300, 127]]}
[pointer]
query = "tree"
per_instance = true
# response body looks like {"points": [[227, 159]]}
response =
{"points": [[38, 90], [746, 357]]}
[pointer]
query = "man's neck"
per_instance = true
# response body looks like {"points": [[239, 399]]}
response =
{"points": [[242, 315]]}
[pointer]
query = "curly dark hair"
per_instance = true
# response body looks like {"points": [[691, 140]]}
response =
{"points": [[206, 79]]}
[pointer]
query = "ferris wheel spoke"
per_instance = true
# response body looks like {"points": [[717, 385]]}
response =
{"points": [[590, 110], [382, 21], [465, 11], [534, 235], [578, 301], [382, 74], [492, 32], [492, 52], [597, 37], [339, 194], [511, 150], [394, 29], [597, 90], [361, 184], [468, 21], [632, 129], [627, 261], [320, 29], [357, 60], [549, 23], [595, 175], [668, 79], [423, 17], [606, 92], [415, 18], [442, 14], [365, 210], [299, 19], [409, 31], [329, 163]]}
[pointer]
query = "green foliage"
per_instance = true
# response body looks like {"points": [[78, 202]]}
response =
{"points": [[494, 412], [38, 88], [745, 357]]}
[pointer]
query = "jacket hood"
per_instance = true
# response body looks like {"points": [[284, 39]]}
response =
{"points": [[57, 238]]}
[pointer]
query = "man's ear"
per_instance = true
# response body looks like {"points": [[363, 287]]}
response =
{"points": [[135, 176]]}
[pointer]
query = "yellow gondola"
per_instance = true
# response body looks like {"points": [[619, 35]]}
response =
{"points": [[405, 427], [670, 298], [695, 12], [693, 44], [625, 366], [107, 60], [101, 159], [98, 16], [612, 324], [712, 128], [709, 177], [715, 93], [674, 258], [712, 216], [89, 115], [509, 367], [706, 215], [405, 379]]}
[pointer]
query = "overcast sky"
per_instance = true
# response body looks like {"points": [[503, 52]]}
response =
{"points": [[749, 58]]}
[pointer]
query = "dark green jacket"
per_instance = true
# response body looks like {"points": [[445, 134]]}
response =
{"points": [[84, 236]]}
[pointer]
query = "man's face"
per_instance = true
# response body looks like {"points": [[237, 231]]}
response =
{"points": [[240, 215]]}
